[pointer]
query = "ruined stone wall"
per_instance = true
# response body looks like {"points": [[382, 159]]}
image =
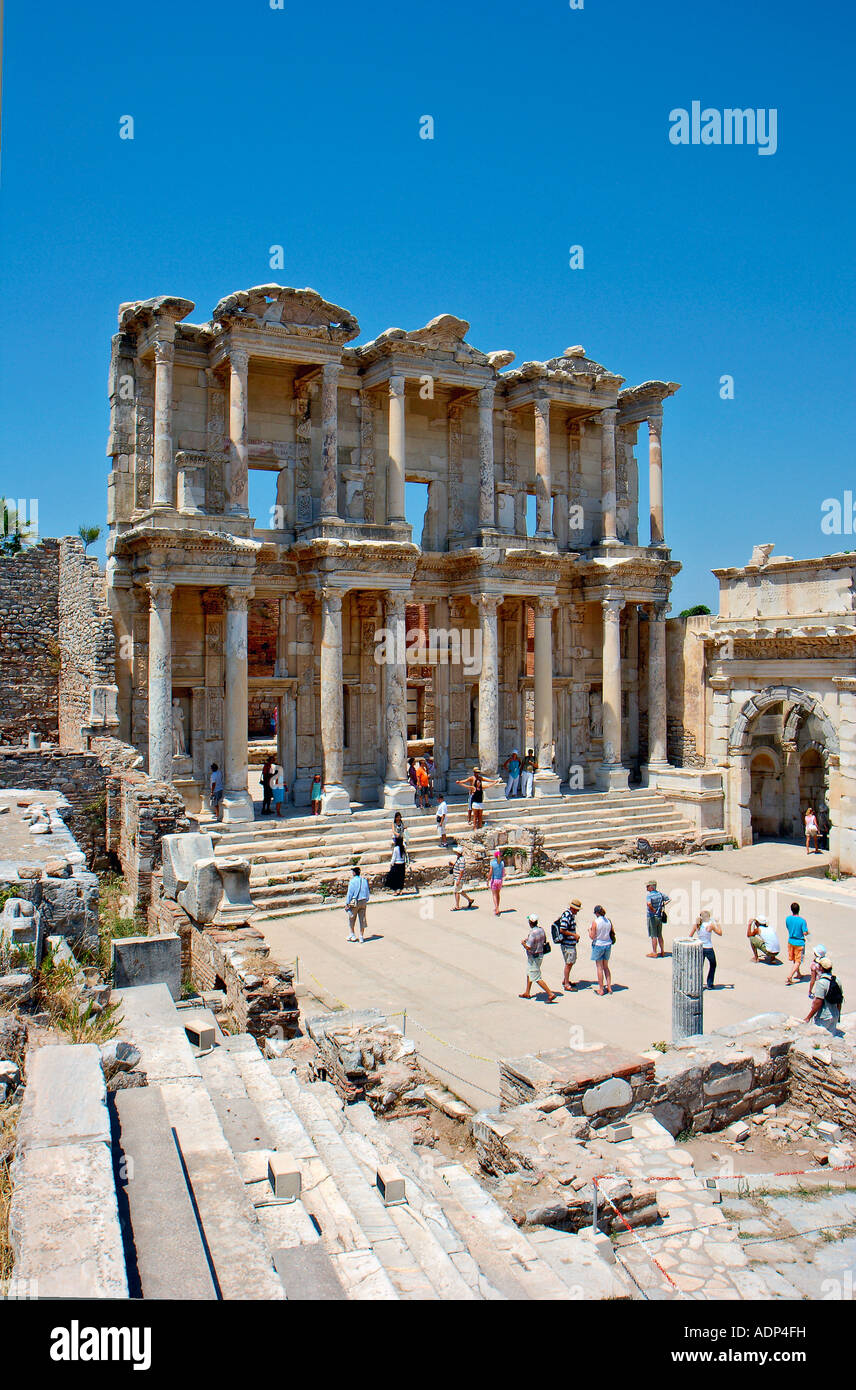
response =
{"points": [[140, 812], [29, 643], [686, 690], [79, 776], [86, 641]]}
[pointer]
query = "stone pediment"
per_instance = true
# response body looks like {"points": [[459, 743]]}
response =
{"points": [[283, 307], [445, 333], [648, 391], [141, 313], [570, 369]]}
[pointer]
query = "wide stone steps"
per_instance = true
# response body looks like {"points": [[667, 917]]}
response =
{"points": [[291, 859]]}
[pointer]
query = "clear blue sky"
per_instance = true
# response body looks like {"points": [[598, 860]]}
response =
{"points": [[256, 126]]}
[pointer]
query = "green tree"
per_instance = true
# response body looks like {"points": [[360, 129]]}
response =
{"points": [[14, 532], [701, 609], [88, 534]]}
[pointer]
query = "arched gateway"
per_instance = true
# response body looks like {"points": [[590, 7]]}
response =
{"points": [[781, 747]]}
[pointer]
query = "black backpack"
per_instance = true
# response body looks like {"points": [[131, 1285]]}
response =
{"points": [[835, 994]]}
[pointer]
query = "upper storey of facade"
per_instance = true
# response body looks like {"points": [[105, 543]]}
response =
{"points": [[274, 382]]}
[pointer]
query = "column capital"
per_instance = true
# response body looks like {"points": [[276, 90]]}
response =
{"points": [[609, 415], [237, 600], [612, 609], [544, 605], [655, 421], [332, 599], [488, 604], [458, 606], [160, 594], [331, 369], [541, 405], [397, 386], [239, 359], [164, 352], [659, 611], [487, 394]]}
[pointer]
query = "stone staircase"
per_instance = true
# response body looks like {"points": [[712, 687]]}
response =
{"points": [[291, 858], [170, 1197]]}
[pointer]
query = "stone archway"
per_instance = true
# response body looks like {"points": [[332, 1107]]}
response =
{"points": [[765, 796]]}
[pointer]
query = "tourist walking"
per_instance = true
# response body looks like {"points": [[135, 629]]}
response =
{"points": [[356, 903], [458, 871], [423, 786], [797, 928], [397, 866], [764, 938], [655, 903], [536, 946], [442, 813], [817, 956], [527, 774], [567, 937], [267, 794], [706, 929], [495, 876], [315, 793], [279, 789], [216, 791], [811, 831], [512, 767], [826, 997], [602, 934]]}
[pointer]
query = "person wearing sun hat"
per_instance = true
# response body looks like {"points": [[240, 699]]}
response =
{"points": [[566, 937], [826, 998], [817, 956]]}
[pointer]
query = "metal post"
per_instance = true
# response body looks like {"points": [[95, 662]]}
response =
{"points": [[594, 1226]]}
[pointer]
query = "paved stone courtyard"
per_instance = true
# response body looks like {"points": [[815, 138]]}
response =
{"points": [[458, 974]]}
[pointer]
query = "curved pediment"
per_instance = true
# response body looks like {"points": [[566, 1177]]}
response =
{"points": [[284, 307]]}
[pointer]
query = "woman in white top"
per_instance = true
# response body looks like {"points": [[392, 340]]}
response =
{"points": [[810, 830], [706, 928], [602, 938]]}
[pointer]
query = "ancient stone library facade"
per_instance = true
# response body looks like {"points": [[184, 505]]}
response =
{"points": [[304, 609]]}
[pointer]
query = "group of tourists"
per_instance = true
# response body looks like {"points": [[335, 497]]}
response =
{"points": [[520, 773], [565, 933]]}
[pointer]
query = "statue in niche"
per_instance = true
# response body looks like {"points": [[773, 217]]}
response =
{"points": [[595, 715], [179, 740]]}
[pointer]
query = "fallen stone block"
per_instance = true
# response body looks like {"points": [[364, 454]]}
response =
{"points": [[738, 1132], [616, 1134], [15, 987], [147, 960], [391, 1186], [284, 1176], [827, 1130], [200, 1033]]}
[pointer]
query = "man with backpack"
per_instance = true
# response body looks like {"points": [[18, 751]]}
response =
{"points": [[656, 904], [565, 934], [826, 998], [356, 902]]}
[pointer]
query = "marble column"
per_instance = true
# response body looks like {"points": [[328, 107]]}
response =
{"points": [[543, 473], [546, 781], [440, 673], [163, 492], [335, 800], [281, 665], [488, 724], [608, 484], [330, 441], [160, 681], [655, 475], [487, 481], [237, 802], [613, 776], [237, 488], [657, 693], [397, 452], [397, 791], [687, 991], [791, 819]]}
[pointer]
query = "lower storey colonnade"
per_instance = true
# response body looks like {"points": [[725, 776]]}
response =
{"points": [[348, 679]]}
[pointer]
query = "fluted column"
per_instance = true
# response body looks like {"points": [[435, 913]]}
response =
{"points": [[687, 992], [543, 474], [655, 475], [397, 452], [489, 687], [397, 791], [487, 481], [657, 731], [608, 486], [160, 681], [163, 492], [546, 781], [612, 774], [237, 490], [335, 800], [237, 802], [330, 440]]}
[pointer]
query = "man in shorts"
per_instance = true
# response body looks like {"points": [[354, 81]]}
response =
{"points": [[797, 928], [655, 903], [567, 925], [824, 1010], [458, 871], [216, 791], [763, 938], [534, 945]]}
